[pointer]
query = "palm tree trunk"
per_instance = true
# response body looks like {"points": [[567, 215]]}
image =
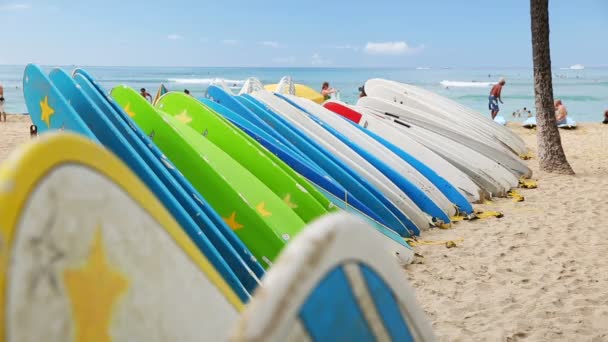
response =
{"points": [[551, 155]]}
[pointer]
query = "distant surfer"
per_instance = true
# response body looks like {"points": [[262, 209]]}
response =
{"points": [[495, 97], [326, 91], [145, 94], [2, 112], [561, 112]]}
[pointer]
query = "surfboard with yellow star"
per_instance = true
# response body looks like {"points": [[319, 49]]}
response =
{"points": [[297, 192], [263, 220], [87, 120], [89, 254]]}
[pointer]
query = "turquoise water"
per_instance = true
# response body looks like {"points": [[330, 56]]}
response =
{"points": [[585, 92]]}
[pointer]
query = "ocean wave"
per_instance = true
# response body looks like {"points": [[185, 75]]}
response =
{"points": [[209, 81], [462, 84]]}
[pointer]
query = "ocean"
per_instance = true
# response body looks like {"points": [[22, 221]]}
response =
{"points": [[584, 92]]}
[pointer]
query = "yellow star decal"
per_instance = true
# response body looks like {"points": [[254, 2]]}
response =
{"points": [[47, 111], [261, 208], [94, 290], [232, 223], [288, 201], [128, 110], [183, 117]]}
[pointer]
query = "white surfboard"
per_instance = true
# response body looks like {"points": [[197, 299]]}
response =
{"points": [[89, 253], [502, 156], [354, 275], [442, 107], [379, 151], [348, 156]]}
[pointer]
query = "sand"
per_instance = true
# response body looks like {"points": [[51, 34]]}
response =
{"points": [[540, 273]]}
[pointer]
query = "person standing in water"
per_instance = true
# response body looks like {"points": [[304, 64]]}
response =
{"points": [[2, 112], [495, 97], [145, 94], [326, 91]]}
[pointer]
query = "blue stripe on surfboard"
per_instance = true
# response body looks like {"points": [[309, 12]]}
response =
{"points": [[347, 174], [110, 138], [387, 305], [120, 119], [419, 197], [332, 313], [443, 185]]}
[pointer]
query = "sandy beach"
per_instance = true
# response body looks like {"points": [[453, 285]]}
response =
{"points": [[539, 273]]}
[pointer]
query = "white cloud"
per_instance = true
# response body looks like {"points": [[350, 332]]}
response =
{"points": [[175, 37], [391, 48], [271, 44], [284, 60], [316, 59], [230, 42], [15, 7]]}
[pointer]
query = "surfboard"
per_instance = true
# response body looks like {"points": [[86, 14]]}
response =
{"points": [[87, 247], [348, 177], [351, 294], [263, 221], [424, 193], [392, 191], [441, 107], [301, 91], [160, 164], [300, 195], [115, 142], [449, 190], [48, 109], [531, 123], [230, 247]]}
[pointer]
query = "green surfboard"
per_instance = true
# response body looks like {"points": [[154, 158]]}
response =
{"points": [[259, 217], [296, 191]]}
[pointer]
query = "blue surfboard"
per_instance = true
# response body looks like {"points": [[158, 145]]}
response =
{"points": [[418, 196], [48, 108], [107, 135], [369, 193], [443, 185], [228, 244], [161, 166]]}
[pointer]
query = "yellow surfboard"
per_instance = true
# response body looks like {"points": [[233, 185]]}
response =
{"points": [[301, 91], [89, 254]]}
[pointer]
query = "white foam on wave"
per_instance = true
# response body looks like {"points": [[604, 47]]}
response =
{"points": [[462, 84], [230, 83]]}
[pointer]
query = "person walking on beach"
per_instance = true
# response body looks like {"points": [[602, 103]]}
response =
{"points": [[561, 112], [326, 91], [2, 112], [495, 97], [605, 122], [145, 94]]}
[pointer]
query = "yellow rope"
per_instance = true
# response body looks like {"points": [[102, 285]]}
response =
{"points": [[487, 214], [516, 196], [527, 183]]}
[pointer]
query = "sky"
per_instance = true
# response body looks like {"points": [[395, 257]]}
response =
{"points": [[270, 33]]}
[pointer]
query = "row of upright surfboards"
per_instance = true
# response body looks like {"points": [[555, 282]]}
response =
{"points": [[262, 216]]}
